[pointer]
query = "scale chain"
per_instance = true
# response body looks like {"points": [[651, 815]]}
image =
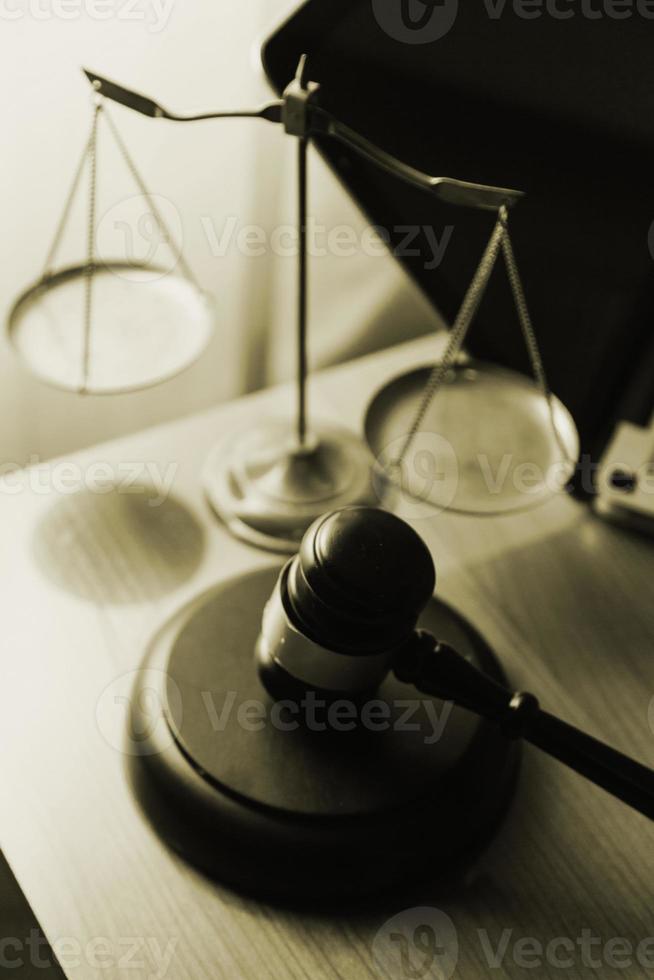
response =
{"points": [[90, 247], [529, 333], [458, 333], [63, 221], [174, 247], [499, 240]]}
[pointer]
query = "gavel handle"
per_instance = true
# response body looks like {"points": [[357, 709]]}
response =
{"points": [[436, 669], [619, 775]]}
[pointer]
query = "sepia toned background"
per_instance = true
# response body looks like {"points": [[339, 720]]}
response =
{"points": [[213, 176]]}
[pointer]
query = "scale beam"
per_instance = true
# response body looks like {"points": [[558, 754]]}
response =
{"points": [[447, 189], [302, 117], [148, 107]]}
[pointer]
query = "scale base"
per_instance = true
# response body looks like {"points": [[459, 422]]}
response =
{"points": [[268, 490], [288, 810]]}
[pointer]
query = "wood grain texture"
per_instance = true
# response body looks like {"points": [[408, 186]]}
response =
{"points": [[87, 578]]}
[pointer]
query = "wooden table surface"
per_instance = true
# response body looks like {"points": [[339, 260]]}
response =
{"points": [[88, 577]]}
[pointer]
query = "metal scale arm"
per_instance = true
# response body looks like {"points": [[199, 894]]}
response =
{"points": [[302, 117]]}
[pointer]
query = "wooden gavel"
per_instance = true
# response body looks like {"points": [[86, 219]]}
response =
{"points": [[344, 614]]}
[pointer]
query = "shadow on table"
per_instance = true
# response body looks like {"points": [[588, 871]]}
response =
{"points": [[118, 547]]}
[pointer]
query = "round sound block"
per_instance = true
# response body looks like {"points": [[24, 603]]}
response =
{"points": [[307, 799]]}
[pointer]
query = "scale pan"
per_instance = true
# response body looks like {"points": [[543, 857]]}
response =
{"points": [[485, 446], [147, 325]]}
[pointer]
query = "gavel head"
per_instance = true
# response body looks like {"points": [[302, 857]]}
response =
{"points": [[344, 606]]}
